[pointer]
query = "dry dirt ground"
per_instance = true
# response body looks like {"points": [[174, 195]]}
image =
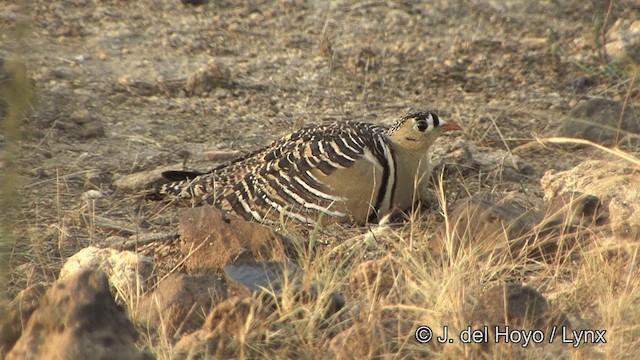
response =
{"points": [[116, 93]]}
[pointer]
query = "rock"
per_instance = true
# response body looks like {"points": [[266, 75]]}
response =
{"points": [[470, 159], [573, 210], [211, 239], [179, 304], [213, 75], [221, 155], [136, 86], [16, 314], [141, 181], [616, 183], [246, 277], [128, 272], [95, 180], [564, 225], [600, 120], [623, 41], [518, 307], [81, 117], [92, 129], [485, 222], [582, 83], [223, 326], [78, 319], [91, 195]]}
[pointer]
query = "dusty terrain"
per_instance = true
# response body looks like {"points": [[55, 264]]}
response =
{"points": [[119, 89]]}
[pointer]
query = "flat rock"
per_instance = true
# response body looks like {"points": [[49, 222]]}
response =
{"points": [[141, 181], [128, 272], [246, 277], [615, 182], [212, 239], [221, 155], [470, 159], [488, 223], [180, 302], [213, 75], [601, 120], [78, 319], [485, 222], [572, 210]]}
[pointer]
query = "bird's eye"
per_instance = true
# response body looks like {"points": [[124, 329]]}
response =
{"points": [[421, 126]]}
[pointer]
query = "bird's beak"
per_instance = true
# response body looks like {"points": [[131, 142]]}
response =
{"points": [[450, 126]]}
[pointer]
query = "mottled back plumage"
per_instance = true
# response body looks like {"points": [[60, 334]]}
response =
{"points": [[344, 171]]}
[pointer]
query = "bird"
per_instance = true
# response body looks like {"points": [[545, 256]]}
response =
{"points": [[340, 172]]}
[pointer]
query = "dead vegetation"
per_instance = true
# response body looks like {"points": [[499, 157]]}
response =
{"points": [[508, 72]]}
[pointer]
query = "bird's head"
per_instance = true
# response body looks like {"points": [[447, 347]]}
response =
{"points": [[418, 130]]}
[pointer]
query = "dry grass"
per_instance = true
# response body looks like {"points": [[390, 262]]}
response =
{"points": [[16, 93], [598, 286]]}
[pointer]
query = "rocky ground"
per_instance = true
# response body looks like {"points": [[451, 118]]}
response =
{"points": [[116, 91]]}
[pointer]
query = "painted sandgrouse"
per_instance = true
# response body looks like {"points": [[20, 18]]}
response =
{"points": [[339, 172]]}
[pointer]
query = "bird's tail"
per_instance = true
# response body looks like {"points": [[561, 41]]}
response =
{"points": [[185, 185]]}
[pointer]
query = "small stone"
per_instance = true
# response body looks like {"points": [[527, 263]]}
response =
{"points": [[91, 195], [213, 75], [246, 277], [94, 180], [102, 55], [171, 139], [91, 130], [582, 83], [81, 117]]}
